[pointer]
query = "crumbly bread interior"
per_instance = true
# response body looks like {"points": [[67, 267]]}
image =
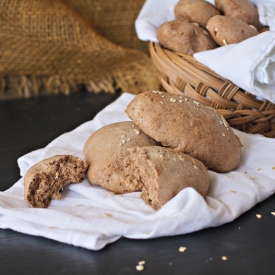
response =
{"points": [[163, 173], [46, 181]]}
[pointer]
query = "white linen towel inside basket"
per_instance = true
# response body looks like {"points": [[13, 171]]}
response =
{"points": [[249, 64]]}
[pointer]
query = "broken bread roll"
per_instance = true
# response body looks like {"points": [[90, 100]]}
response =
{"points": [[185, 125], [164, 173], [105, 151], [45, 180]]}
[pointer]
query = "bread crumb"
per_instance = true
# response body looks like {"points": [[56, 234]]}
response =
{"points": [[273, 213], [211, 108], [180, 157], [137, 131], [205, 32], [258, 216], [233, 191], [107, 214], [154, 92], [173, 99], [141, 262], [259, 169], [224, 42], [253, 27], [223, 134], [182, 249], [252, 178], [196, 102], [224, 258], [195, 24], [139, 267], [180, 100], [170, 263], [224, 122], [161, 102], [78, 205], [273, 168]]}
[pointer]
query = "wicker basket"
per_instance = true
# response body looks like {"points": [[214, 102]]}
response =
{"points": [[182, 74]]}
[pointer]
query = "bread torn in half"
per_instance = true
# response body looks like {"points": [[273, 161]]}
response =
{"points": [[105, 151], [164, 173], [45, 180]]}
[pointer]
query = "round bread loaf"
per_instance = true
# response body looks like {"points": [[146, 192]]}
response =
{"points": [[240, 9], [227, 30], [164, 173], [105, 151], [45, 180], [184, 37], [198, 11], [185, 125]]}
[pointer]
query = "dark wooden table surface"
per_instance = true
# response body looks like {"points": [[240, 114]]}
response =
{"points": [[30, 124]]}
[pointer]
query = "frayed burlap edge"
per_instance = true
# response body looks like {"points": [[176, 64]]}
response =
{"points": [[31, 85]]}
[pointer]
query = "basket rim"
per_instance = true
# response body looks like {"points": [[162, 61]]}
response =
{"points": [[182, 74]]}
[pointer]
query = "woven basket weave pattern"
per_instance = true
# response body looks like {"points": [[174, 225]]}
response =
{"points": [[182, 74]]}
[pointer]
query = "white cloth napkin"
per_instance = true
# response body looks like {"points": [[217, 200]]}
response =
{"points": [[90, 217], [249, 64]]}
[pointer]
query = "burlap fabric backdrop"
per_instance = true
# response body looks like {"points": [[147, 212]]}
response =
{"points": [[51, 46]]}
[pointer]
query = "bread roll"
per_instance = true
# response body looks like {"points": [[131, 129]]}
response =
{"points": [[185, 125], [243, 10], [227, 30], [45, 180], [164, 173], [184, 37], [105, 151], [198, 11]]}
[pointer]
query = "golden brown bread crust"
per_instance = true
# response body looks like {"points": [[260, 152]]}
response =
{"points": [[105, 151], [187, 126], [164, 173], [184, 37], [227, 30], [198, 11], [45, 180], [240, 9]]}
